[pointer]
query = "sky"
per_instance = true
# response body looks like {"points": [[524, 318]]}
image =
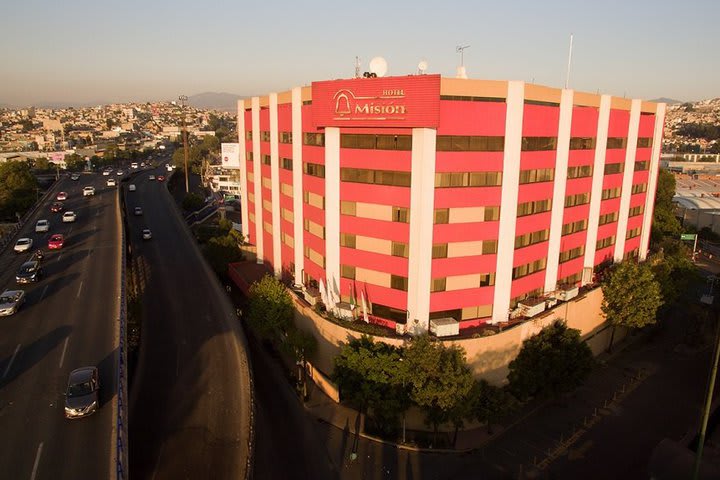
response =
{"points": [[144, 50]]}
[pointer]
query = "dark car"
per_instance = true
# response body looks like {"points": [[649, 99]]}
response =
{"points": [[56, 207], [30, 271], [81, 396]]}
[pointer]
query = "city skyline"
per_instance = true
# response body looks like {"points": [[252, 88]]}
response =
{"points": [[91, 53]]}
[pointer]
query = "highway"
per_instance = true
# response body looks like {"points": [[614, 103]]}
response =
{"points": [[69, 320], [190, 401]]}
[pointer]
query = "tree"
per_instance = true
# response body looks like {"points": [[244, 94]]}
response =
{"points": [[489, 403], [673, 270], [301, 345], [631, 296], [439, 379], [192, 202], [18, 189], [554, 361], [270, 307], [42, 164], [75, 162], [664, 221], [220, 251]]}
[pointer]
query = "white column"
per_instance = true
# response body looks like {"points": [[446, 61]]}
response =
{"points": [[257, 178], [630, 152], [597, 183], [653, 172], [422, 205], [243, 169], [299, 243], [332, 213], [275, 185], [509, 198], [559, 187]]}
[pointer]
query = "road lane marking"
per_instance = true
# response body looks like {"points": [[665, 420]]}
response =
{"points": [[59, 256], [43, 292], [62, 357], [79, 289], [37, 461], [12, 359]]}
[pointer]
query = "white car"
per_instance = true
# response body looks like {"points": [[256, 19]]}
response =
{"points": [[146, 234], [131, 187], [138, 210], [10, 301], [119, 173], [69, 217], [134, 165], [107, 171], [42, 226], [23, 245], [88, 191], [151, 177], [111, 182], [169, 167]]}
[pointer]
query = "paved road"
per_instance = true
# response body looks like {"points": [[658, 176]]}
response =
{"points": [[190, 398], [69, 321]]}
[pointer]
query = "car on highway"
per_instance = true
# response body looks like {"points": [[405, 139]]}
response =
{"points": [[138, 210], [69, 217], [30, 271], [111, 182], [134, 165], [42, 226], [23, 245], [61, 196], [151, 177], [56, 242], [146, 234], [74, 177], [119, 173], [169, 167], [161, 178], [88, 191], [81, 394], [56, 207], [10, 301], [131, 187]]}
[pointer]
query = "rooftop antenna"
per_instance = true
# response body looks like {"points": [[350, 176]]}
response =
{"points": [[357, 67], [567, 77], [461, 73]]}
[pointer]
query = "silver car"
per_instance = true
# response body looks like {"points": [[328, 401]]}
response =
{"points": [[10, 301], [81, 395]]}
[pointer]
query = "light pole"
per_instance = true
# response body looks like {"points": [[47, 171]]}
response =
{"points": [[183, 99], [402, 373]]}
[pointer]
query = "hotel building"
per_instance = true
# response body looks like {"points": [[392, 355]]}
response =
{"points": [[423, 197]]}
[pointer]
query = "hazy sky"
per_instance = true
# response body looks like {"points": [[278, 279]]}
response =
{"points": [[100, 51]]}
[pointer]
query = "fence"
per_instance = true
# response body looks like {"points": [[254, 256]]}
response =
{"points": [[121, 434]]}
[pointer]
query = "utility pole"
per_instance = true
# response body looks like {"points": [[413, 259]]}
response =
{"points": [[183, 99]]}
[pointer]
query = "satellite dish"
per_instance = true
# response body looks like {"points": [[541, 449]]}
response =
{"points": [[378, 66], [422, 66]]}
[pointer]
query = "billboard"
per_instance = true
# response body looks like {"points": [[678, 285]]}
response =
{"points": [[412, 101], [230, 155]]}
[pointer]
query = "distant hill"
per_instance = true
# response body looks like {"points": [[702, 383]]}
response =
{"points": [[226, 102], [669, 101]]}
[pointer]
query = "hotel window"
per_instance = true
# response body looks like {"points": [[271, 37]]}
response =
{"points": [[288, 240], [267, 205], [398, 283], [251, 197], [286, 163], [489, 247], [605, 242], [537, 176], [266, 159], [375, 177], [314, 139], [641, 166], [481, 311], [440, 250], [639, 188], [529, 268], [438, 284], [468, 179], [582, 143], [400, 249], [248, 135], [608, 218], [572, 254], [285, 137], [468, 98], [313, 199], [314, 169], [533, 144], [267, 227], [632, 233], [613, 168], [401, 214], [307, 102], [492, 214], [348, 240], [347, 271], [632, 254], [541, 103], [571, 279], [287, 215], [530, 208], [314, 228], [348, 208], [531, 238], [582, 171], [266, 182], [376, 142], [286, 189], [574, 227], [265, 136], [249, 156], [487, 279], [616, 142], [609, 193], [464, 143], [251, 217], [441, 216], [311, 254], [635, 211], [644, 142]]}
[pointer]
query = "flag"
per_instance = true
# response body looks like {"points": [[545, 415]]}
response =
{"points": [[323, 293], [364, 307]]}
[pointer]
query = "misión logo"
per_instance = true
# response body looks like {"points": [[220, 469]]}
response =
{"points": [[382, 107]]}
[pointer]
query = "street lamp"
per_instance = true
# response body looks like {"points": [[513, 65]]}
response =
{"points": [[404, 411], [183, 99]]}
